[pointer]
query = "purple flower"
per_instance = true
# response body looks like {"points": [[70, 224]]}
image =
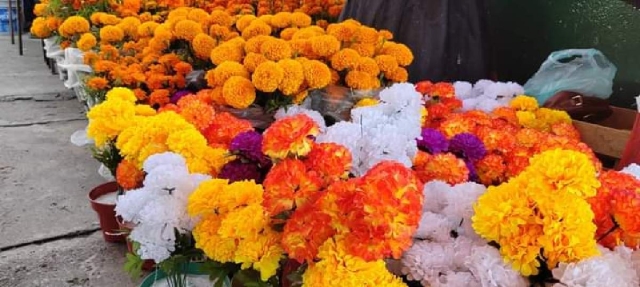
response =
{"points": [[249, 145], [467, 146], [238, 171], [178, 95], [433, 141]]}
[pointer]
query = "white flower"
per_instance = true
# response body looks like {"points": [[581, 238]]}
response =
{"points": [[159, 208], [632, 169], [612, 268], [464, 90], [296, 109], [456, 279], [435, 227], [488, 267], [487, 95]]}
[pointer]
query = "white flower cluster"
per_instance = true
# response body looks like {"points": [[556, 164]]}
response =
{"points": [[296, 109], [160, 206], [447, 251], [486, 95], [386, 131], [632, 169], [613, 268]]}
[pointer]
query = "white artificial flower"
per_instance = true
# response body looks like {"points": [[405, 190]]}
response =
{"points": [[487, 95], [464, 90], [612, 268], [425, 260], [293, 110], [435, 193], [159, 208], [456, 279], [632, 169], [488, 267], [435, 227]]}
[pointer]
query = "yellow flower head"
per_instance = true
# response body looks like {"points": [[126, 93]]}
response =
{"points": [[401, 52], [227, 52], [275, 49], [368, 65], [300, 20], [122, 94], [281, 20], [244, 21], [287, 34], [74, 25], [222, 18], [293, 76], [109, 118], [524, 103], [565, 171], [86, 42], [202, 45], [257, 27], [317, 74], [325, 45], [345, 59], [268, 76], [253, 60], [226, 70], [111, 34], [239, 92], [187, 29]]}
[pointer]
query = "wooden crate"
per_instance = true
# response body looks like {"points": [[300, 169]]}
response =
{"points": [[610, 136]]}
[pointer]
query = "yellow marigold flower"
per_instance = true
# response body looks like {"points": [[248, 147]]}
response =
{"points": [[222, 18], [281, 20], [268, 76], [244, 21], [39, 28], [345, 59], [317, 74], [399, 75], [275, 49], [253, 60], [528, 119], [199, 16], [202, 45], [367, 35], [287, 34], [366, 102], [217, 196], [122, 94], [74, 25], [301, 48], [263, 252], [325, 45], [187, 29], [345, 32], [564, 171], [179, 13], [217, 96], [86, 42], [553, 117], [109, 118], [109, 19], [368, 65], [129, 26], [266, 18], [145, 110], [300, 20], [361, 81], [524, 103], [226, 52], [401, 52], [111, 34], [40, 9], [257, 27], [386, 63], [308, 33], [385, 35], [216, 247], [365, 50], [225, 71], [239, 92], [293, 76], [254, 44], [95, 17]]}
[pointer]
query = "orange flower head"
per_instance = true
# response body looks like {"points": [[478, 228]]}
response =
{"points": [[111, 34], [187, 29], [98, 83], [128, 175], [300, 20], [325, 45], [224, 128], [221, 18], [257, 27], [307, 229], [445, 167], [268, 76], [369, 66], [290, 136], [491, 170], [239, 92], [288, 186], [293, 76], [196, 112], [331, 161], [202, 45], [159, 98], [253, 60], [362, 81], [276, 49], [345, 59], [225, 71]]}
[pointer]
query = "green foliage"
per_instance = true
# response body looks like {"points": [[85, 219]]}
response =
{"points": [[134, 263], [108, 155], [251, 278], [219, 272]]}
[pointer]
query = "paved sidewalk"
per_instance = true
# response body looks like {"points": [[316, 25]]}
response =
{"points": [[44, 182]]}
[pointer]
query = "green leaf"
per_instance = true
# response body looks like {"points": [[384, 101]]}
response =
{"points": [[250, 278], [133, 266]]}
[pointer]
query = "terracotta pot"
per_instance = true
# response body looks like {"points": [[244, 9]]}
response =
{"points": [[126, 227], [106, 212]]}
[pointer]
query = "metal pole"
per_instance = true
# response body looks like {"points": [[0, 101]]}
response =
{"points": [[10, 12], [20, 20]]}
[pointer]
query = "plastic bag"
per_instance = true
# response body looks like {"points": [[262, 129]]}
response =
{"points": [[73, 64], [584, 71], [52, 48]]}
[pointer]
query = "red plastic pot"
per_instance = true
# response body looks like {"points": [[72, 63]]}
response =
{"points": [[106, 212]]}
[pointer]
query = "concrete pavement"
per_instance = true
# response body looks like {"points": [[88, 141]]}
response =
{"points": [[48, 231]]}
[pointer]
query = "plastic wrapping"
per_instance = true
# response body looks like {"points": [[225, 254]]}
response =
{"points": [[335, 102], [73, 64], [584, 71], [258, 117], [196, 81], [52, 48], [80, 138], [105, 173]]}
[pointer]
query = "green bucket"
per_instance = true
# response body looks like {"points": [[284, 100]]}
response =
{"points": [[192, 269]]}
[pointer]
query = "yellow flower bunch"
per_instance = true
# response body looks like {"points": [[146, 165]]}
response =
{"points": [[530, 115], [40, 28], [540, 214], [86, 42], [234, 225], [111, 34], [74, 25], [109, 118]]}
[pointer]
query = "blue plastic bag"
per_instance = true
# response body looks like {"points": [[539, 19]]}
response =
{"points": [[584, 71]]}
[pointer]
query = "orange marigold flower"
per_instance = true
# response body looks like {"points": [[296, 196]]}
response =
{"points": [[111, 34], [401, 52], [141, 95], [224, 71], [196, 112], [159, 98], [362, 81], [491, 170], [202, 45], [224, 128], [257, 27], [74, 25], [293, 76], [367, 35], [268, 76], [275, 49], [244, 21], [254, 44], [300, 19], [290, 136], [287, 34], [566, 130], [325, 45], [221, 18], [227, 52], [331, 161], [317, 74], [307, 229], [128, 175], [345, 59], [445, 167], [86, 42], [98, 83], [343, 31], [253, 60], [365, 50], [369, 66], [287, 186], [281, 20], [385, 35], [239, 92], [187, 29]]}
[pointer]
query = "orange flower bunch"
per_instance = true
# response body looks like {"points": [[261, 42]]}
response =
{"points": [[616, 206]]}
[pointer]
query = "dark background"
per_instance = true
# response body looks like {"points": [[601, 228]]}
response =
{"points": [[523, 33]]}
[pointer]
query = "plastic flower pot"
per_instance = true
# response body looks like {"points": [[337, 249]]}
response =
{"points": [[192, 269], [106, 212], [126, 227]]}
